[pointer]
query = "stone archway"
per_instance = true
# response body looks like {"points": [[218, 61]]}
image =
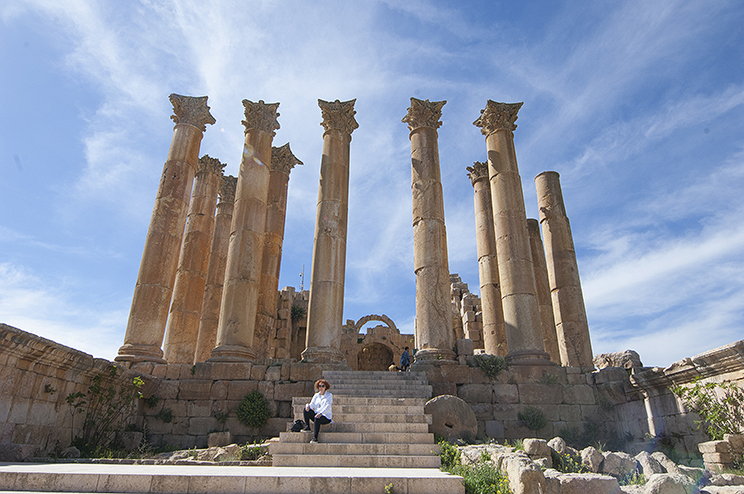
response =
{"points": [[374, 357]]}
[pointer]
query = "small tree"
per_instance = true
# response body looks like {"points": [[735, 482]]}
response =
{"points": [[719, 405]]}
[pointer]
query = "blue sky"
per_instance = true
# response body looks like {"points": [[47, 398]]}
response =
{"points": [[638, 105]]}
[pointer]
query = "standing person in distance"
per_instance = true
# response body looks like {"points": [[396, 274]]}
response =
{"points": [[405, 360], [319, 408]]}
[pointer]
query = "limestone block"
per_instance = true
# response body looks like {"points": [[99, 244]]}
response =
{"points": [[19, 410], [648, 464], [439, 389], [465, 346], [178, 407], [494, 429], [718, 458], [477, 376], [231, 370], [610, 374], [668, 465], [219, 439], [199, 408], [286, 372], [569, 413], [287, 391], [476, 393], [199, 426], [535, 394], [586, 483], [482, 411], [592, 459], [236, 390], [218, 390], [537, 448], [273, 373], [505, 393], [194, 390], [558, 445], [715, 447], [451, 418], [258, 372], [173, 371], [4, 409], [504, 412], [41, 413], [159, 370], [305, 372], [670, 483], [17, 452], [525, 477], [267, 389], [578, 394]]}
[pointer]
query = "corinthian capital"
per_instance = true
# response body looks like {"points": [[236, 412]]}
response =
{"points": [[338, 115], [227, 188], [191, 110], [424, 113], [498, 116], [207, 164], [478, 171], [282, 159], [261, 116]]}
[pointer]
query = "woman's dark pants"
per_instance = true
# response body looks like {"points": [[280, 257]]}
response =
{"points": [[322, 420]]}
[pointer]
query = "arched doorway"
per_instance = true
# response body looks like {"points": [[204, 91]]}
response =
{"points": [[374, 357]]}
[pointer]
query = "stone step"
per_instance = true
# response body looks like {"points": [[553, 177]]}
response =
{"points": [[370, 418], [366, 409], [141, 479], [350, 375], [412, 427], [369, 449], [364, 400], [387, 393], [374, 461], [360, 437]]}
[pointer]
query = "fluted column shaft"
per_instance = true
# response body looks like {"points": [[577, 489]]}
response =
{"points": [[210, 312], [521, 312], [434, 333], [183, 322], [282, 162], [494, 334], [563, 273], [157, 273], [245, 250], [326, 304], [542, 290]]}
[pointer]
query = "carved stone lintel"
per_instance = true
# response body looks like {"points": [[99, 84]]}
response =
{"points": [[424, 113], [498, 116], [261, 116], [282, 159], [207, 164], [227, 188], [478, 171], [338, 115], [192, 110]]}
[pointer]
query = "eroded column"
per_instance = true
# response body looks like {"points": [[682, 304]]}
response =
{"points": [[157, 273], [282, 162], [191, 277], [563, 273], [521, 312], [494, 334], [245, 250], [542, 290], [434, 333], [210, 311]]}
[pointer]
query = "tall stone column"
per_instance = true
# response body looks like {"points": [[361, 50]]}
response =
{"points": [[210, 311], [282, 162], [521, 312], [563, 272], [326, 306], [245, 251], [157, 273], [191, 277], [542, 290], [434, 333], [494, 334]]}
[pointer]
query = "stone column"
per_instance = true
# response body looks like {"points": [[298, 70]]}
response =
{"points": [[563, 272], [245, 251], [542, 290], [282, 162], [521, 312], [494, 334], [191, 277], [157, 273], [210, 311], [434, 333], [326, 306]]}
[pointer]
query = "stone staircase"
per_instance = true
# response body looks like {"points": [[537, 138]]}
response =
{"points": [[378, 421]]}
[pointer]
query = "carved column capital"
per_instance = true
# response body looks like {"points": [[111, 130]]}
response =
{"points": [[478, 171], [207, 164], [498, 116], [261, 116], [191, 110], [338, 115], [282, 159], [424, 113], [227, 188]]}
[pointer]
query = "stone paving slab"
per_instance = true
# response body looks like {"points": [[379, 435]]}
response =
{"points": [[174, 479]]}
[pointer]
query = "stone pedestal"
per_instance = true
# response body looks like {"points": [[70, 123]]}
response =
{"points": [[521, 312], [282, 162], [563, 273], [494, 334], [434, 333], [542, 290], [157, 273], [326, 306], [245, 250], [210, 312], [185, 312]]}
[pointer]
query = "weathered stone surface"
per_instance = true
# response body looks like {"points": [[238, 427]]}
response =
{"points": [[618, 464], [580, 483], [722, 479], [715, 447], [668, 465], [592, 459], [557, 444], [505, 393], [648, 464], [538, 449], [451, 417], [218, 439], [670, 483], [535, 394], [525, 477], [628, 359], [476, 393]]}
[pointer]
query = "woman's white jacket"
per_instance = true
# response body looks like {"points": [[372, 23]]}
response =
{"points": [[321, 403]]}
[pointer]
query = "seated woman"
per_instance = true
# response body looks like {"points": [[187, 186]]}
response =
{"points": [[319, 408]]}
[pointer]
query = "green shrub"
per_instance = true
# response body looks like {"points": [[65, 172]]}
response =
{"points": [[297, 312], [566, 463], [165, 414], [632, 478], [449, 454], [491, 365], [253, 451], [533, 418], [481, 478], [254, 410], [549, 379], [719, 405]]}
